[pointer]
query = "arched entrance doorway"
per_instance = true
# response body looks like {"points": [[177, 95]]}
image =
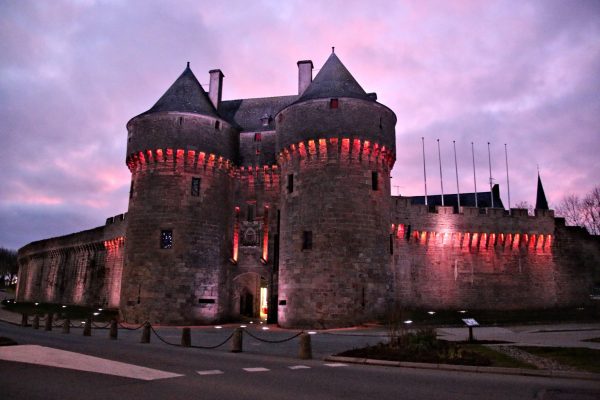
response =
{"points": [[250, 296]]}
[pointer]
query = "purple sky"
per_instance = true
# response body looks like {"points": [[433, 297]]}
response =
{"points": [[72, 73]]}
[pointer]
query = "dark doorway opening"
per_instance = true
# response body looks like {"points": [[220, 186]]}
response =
{"points": [[247, 305]]}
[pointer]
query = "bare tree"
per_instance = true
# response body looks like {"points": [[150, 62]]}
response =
{"points": [[524, 205], [582, 212], [591, 211]]}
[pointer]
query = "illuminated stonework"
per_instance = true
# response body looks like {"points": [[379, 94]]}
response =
{"points": [[279, 208]]}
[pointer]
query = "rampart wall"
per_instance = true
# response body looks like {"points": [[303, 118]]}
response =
{"points": [[487, 259], [82, 268]]}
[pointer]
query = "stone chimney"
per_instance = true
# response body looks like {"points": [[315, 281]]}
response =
{"points": [[305, 68], [215, 88]]}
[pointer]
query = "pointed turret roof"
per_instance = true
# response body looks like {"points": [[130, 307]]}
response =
{"points": [[334, 80], [185, 95], [540, 201]]}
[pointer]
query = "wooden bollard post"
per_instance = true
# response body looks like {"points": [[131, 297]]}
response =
{"points": [[146, 333], [87, 329], [114, 331], [48, 324], [24, 320], [236, 340], [186, 337], [66, 326], [36, 322], [305, 352]]}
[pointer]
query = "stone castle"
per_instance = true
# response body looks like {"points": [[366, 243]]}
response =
{"points": [[280, 208]]}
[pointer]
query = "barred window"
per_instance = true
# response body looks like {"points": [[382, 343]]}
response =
{"points": [[195, 187], [166, 239]]}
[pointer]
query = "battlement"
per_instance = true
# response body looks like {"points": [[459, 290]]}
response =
{"points": [[516, 229], [177, 159], [343, 149], [266, 176]]}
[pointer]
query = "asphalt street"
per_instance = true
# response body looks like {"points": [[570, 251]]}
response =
{"points": [[257, 373]]}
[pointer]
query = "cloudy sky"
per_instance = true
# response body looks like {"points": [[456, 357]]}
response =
{"points": [[72, 73]]}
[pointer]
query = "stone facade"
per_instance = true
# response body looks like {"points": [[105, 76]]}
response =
{"points": [[280, 208]]}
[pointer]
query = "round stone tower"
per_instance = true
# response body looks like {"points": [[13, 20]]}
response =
{"points": [[336, 148], [180, 154]]}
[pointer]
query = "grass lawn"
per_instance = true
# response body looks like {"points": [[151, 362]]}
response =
{"points": [[578, 357], [424, 346]]}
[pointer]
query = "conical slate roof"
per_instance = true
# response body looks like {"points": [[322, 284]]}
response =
{"points": [[185, 95], [332, 81], [540, 201]]}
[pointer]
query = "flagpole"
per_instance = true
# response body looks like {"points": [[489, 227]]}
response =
{"points": [[474, 177], [491, 182], [441, 180], [424, 170], [456, 167], [507, 181]]}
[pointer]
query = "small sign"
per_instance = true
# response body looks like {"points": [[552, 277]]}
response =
{"points": [[470, 322]]}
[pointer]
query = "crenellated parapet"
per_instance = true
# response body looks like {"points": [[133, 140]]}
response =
{"points": [[475, 241], [252, 176], [178, 160], [350, 150]]}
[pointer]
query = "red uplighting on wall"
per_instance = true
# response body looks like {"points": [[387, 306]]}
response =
{"points": [[236, 235], [265, 249]]}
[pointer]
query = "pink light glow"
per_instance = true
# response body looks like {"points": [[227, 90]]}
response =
{"points": [[265, 247], [236, 235]]}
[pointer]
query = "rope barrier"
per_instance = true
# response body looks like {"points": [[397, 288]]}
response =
{"points": [[100, 327], [193, 346], [354, 334], [131, 329], [272, 341]]}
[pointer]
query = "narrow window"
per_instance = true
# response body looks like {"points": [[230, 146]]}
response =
{"points": [[195, 187], [250, 213], [290, 183], [391, 244], [333, 103], [217, 124], [306, 240], [374, 180], [166, 239], [131, 190], [180, 121], [257, 137]]}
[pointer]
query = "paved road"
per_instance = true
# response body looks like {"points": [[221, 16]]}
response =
{"points": [[210, 374]]}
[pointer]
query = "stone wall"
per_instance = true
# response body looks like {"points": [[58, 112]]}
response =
{"points": [[186, 282], [82, 268], [486, 259], [341, 195]]}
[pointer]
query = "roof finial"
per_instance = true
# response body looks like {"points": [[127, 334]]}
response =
{"points": [[188, 64], [332, 49]]}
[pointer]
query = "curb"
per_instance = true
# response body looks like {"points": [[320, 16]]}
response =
{"points": [[469, 368]]}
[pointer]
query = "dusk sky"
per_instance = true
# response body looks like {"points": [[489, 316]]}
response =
{"points": [[72, 73]]}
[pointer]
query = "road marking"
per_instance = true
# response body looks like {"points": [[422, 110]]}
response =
{"points": [[299, 367], [256, 369], [210, 372], [333, 365], [40, 355]]}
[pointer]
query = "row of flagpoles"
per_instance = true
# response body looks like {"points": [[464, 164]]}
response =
{"points": [[474, 172]]}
